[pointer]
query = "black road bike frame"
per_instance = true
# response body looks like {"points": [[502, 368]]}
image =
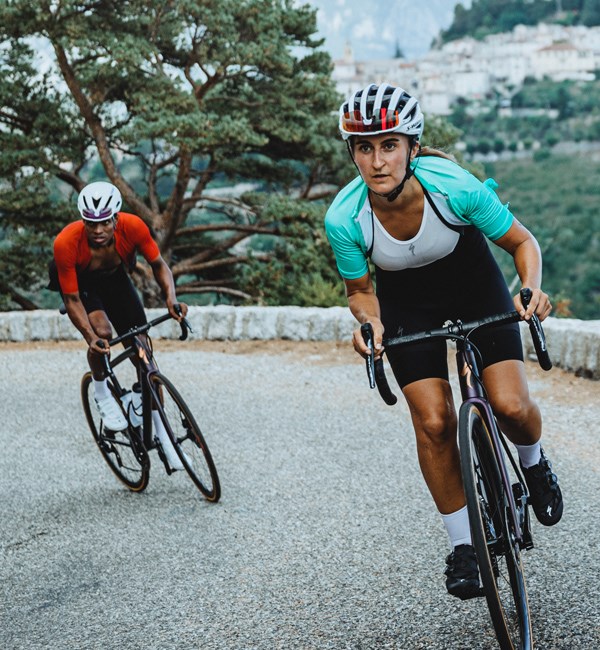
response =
{"points": [[141, 348]]}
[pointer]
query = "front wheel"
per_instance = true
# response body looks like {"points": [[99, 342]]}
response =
{"points": [[186, 437], [123, 451], [492, 529]]}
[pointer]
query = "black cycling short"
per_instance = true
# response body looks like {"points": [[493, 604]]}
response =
{"points": [[467, 285], [112, 292]]}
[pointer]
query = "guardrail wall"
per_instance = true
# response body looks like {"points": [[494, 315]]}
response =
{"points": [[573, 344]]}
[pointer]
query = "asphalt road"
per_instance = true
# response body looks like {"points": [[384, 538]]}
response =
{"points": [[325, 537]]}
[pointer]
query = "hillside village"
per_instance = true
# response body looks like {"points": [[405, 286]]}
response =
{"points": [[475, 70]]}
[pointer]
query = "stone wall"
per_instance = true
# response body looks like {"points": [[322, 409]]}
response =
{"points": [[573, 344]]}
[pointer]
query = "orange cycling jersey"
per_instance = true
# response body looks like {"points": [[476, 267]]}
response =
{"points": [[72, 251]]}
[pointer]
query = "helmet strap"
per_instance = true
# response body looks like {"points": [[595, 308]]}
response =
{"points": [[395, 193]]}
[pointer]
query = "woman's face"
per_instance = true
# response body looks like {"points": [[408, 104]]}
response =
{"points": [[381, 160]]}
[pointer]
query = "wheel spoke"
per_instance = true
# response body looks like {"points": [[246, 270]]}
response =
{"points": [[497, 553], [187, 437]]}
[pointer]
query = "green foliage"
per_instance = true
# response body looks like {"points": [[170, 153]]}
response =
{"points": [[486, 17], [302, 269], [440, 134], [557, 198], [167, 101], [590, 13], [28, 219], [544, 111]]}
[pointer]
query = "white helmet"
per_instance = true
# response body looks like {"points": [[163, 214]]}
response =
{"points": [[99, 201], [381, 109]]}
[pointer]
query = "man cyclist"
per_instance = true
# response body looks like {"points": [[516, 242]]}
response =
{"points": [[422, 220], [92, 261]]}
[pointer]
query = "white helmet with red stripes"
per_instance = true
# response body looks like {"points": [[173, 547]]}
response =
{"points": [[381, 109]]}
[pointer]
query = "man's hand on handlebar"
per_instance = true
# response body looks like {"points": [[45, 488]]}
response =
{"points": [[359, 343], [539, 304], [99, 346], [178, 310]]}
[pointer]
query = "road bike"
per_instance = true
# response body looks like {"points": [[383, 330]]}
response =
{"points": [[126, 451], [496, 493]]}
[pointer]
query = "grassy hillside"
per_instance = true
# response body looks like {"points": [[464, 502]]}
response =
{"points": [[558, 199], [492, 16]]}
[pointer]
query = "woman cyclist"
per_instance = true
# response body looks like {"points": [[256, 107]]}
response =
{"points": [[423, 220]]}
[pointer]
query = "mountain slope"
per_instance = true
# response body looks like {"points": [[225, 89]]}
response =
{"points": [[375, 30]]}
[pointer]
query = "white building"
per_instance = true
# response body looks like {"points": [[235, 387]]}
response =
{"points": [[563, 60], [471, 69]]}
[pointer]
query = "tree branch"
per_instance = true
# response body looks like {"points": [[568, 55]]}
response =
{"points": [[185, 268], [208, 253], [21, 300], [212, 227], [199, 188], [98, 133], [172, 215], [184, 288]]}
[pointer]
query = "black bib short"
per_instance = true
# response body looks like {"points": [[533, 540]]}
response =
{"points": [[468, 285]]}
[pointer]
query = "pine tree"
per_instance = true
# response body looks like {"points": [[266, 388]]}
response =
{"points": [[165, 100]]}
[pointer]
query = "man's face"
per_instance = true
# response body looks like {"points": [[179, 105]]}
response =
{"points": [[99, 233]]}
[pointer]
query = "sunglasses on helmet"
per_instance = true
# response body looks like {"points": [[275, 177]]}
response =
{"points": [[101, 216], [381, 121]]}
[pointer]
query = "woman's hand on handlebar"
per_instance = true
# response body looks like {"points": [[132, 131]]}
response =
{"points": [[539, 304], [359, 344]]}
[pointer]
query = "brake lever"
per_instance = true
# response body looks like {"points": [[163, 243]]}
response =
{"points": [[537, 333], [367, 333], [183, 323]]}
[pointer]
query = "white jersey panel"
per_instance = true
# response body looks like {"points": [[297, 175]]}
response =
{"points": [[433, 241]]}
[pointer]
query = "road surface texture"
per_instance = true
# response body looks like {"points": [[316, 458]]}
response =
{"points": [[325, 537]]}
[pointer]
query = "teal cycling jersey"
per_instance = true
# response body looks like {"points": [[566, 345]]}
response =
{"points": [[454, 190]]}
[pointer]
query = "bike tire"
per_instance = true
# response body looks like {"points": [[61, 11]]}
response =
{"points": [[187, 437], [497, 550], [123, 451]]}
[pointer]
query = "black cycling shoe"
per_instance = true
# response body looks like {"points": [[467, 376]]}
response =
{"points": [[462, 574], [544, 492]]}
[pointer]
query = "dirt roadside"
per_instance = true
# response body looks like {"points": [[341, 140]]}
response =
{"points": [[563, 386]]}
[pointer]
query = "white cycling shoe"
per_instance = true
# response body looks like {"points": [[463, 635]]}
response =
{"points": [[111, 413]]}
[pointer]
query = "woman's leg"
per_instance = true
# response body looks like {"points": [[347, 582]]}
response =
{"points": [[520, 419], [434, 419], [518, 415]]}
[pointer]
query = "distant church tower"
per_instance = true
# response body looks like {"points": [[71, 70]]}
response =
{"points": [[348, 55]]}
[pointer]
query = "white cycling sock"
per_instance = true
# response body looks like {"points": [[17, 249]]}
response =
{"points": [[101, 389], [165, 441], [457, 527], [529, 455]]}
